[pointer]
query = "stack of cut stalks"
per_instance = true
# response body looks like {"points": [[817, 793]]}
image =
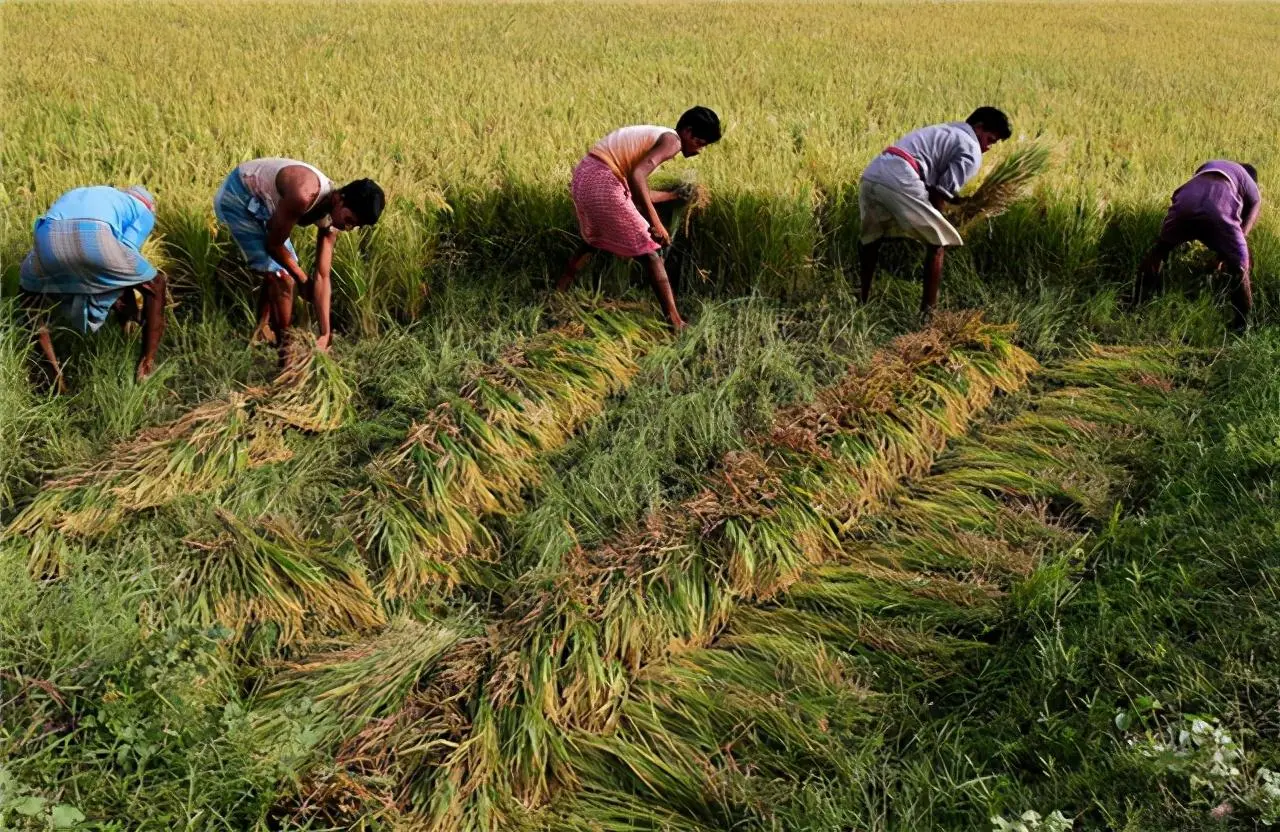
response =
{"points": [[205, 449]]}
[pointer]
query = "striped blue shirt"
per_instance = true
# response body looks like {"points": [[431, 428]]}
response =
{"points": [[129, 219]]}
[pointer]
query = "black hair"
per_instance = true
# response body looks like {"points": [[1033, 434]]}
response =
{"points": [[365, 198], [702, 122], [1251, 170], [991, 119]]}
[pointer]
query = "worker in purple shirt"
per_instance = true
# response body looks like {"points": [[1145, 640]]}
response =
{"points": [[1219, 207]]}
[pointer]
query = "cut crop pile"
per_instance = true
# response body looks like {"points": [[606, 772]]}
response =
{"points": [[205, 449], [467, 747]]}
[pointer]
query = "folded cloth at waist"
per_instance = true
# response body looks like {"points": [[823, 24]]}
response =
{"points": [[906, 157], [84, 263]]}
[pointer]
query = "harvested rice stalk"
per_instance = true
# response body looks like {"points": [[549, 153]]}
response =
{"points": [[244, 579], [353, 684], [1009, 181], [311, 393], [203, 450], [419, 518]]}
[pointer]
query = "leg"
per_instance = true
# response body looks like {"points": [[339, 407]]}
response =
{"points": [[1150, 280], [280, 303], [932, 279], [579, 259], [34, 304], [868, 257], [1241, 301], [264, 331], [657, 272], [154, 293], [1234, 261]]}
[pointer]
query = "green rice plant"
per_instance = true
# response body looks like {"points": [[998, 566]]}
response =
{"points": [[1009, 181], [247, 579]]}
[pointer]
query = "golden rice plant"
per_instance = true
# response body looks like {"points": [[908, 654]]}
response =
{"points": [[1009, 181]]}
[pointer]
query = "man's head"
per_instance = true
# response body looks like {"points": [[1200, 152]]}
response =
{"points": [[142, 195], [356, 203], [990, 125], [698, 128], [1251, 170]]}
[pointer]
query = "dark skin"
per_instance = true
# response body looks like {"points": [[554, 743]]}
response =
{"points": [[646, 201], [300, 204], [869, 253], [153, 300]]}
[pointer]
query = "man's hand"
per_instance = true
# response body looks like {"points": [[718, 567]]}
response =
{"points": [[145, 368], [324, 342], [660, 235]]}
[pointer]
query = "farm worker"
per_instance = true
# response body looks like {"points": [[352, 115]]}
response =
{"points": [[902, 191], [87, 260], [1219, 207], [616, 208], [261, 201]]}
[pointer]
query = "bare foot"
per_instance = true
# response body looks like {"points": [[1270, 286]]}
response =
{"points": [[264, 334]]}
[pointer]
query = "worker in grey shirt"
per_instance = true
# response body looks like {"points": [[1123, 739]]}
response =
{"points": [[903, 189]]}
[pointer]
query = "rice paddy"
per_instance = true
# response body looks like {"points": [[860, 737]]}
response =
{"points": [[513, 560]]}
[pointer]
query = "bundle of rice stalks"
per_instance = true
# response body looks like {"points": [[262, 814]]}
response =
{"points": [[353, 684], [419, 520], [694, 199], [245, 579], [1009, 181], [203, 450], [311, 393]]}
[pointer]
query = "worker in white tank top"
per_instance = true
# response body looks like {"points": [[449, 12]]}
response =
{"points": [[259, 177], [262, 201]]}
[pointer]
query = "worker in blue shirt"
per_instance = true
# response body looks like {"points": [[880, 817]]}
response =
{"points": [[86, 260]]}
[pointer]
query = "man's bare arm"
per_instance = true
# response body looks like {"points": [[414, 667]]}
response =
{"points": [[153, 300], [663, 150], [299, 188], [321, 288]]}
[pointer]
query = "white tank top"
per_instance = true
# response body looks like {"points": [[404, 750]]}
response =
{"points": [[259, 178], [623, 149]]}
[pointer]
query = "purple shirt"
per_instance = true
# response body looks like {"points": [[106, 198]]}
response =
{"points": [[1220, 190]]}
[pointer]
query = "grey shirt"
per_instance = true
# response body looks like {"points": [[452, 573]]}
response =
{"points": [[949, 155]]}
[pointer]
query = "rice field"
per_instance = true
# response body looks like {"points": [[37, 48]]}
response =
{"points": [[512, 560]]}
